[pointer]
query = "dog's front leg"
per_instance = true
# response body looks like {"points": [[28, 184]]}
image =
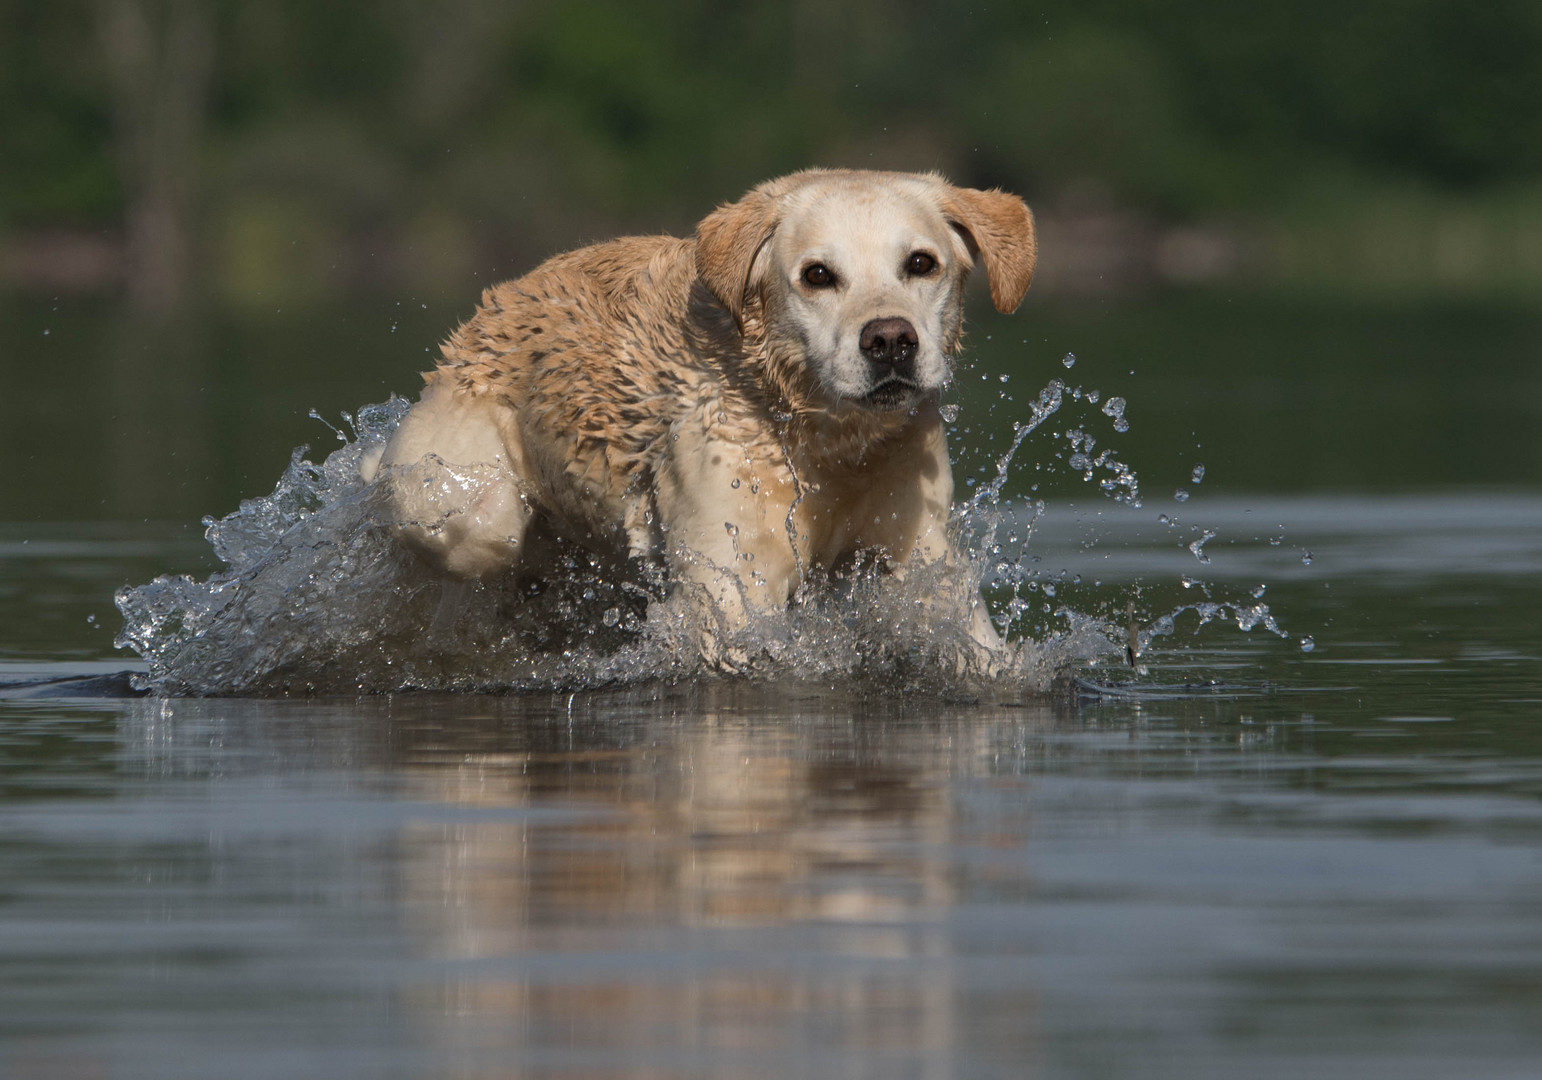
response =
{"points": [[725, 530], [905, 512], [933, 547], [455, 484]]}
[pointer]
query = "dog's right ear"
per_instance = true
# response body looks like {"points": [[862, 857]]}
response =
{"points": [[730, 248]]}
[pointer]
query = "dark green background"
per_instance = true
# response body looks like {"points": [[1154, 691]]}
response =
{"points": [[341, 179]]}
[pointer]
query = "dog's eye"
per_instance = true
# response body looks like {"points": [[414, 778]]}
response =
{"points": [[920, 264], [818, 276]]}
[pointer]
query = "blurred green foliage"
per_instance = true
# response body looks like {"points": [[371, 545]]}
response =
{"points": [[598, 112], [271, 154], [358, 169]]}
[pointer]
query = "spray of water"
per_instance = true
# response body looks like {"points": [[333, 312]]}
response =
{"points": [[318, 596]]}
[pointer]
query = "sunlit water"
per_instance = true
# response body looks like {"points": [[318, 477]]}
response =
{"points": [[1249, 860]]}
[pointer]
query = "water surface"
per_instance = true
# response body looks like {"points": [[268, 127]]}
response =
{"points": [[1250, 860]]}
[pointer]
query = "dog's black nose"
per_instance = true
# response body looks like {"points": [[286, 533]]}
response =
{"points": [[889, 343]]}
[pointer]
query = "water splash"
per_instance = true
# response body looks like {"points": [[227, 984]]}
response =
{"points": [[1197, 548], [318, 596], [1115, 407]]}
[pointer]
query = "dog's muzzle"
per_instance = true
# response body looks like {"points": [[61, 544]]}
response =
{"points": [[890, 345]]}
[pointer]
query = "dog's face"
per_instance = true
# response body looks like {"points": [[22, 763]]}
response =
{"points": [[862, 274], [868, 279]]}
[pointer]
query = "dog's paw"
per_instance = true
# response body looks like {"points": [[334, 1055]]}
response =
{"points": [[726, 658]]}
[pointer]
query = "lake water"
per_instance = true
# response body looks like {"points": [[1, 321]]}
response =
{"points": [[1252, 860]]}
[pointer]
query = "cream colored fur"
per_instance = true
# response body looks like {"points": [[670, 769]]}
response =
{"points": [[708, 402]]}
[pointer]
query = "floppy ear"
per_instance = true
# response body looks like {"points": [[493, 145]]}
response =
{"points": [[999, 227], [728, 240]]}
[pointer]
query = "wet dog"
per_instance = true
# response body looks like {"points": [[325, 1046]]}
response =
{"points": [[736, 408]]}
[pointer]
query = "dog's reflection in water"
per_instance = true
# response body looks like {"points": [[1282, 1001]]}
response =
{"points": [[717, 884]]}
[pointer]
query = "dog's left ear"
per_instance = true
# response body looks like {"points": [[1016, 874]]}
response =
{"points": [[999, 227], [729, 242]]}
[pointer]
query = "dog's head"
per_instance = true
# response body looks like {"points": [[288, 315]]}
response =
{"points": [[860, 275]]}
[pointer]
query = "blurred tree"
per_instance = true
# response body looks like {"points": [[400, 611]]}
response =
{"points": [[160, 56], [334, 143]]}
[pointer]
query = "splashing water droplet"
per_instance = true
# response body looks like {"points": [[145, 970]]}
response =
{"points": [[1198, 546], [1199, 473], [1306, 558], [611, 617], [314, 415], [949, 411], [1180, 496], [1307, 644], [1070, 360]]}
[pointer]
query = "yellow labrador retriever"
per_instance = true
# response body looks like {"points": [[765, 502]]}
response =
{"points": [[742, 405]]}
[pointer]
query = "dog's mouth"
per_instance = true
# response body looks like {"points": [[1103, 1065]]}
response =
{"points": [[893, 393]]}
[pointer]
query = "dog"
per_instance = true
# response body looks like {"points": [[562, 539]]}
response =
{"points": [[735, 408]]}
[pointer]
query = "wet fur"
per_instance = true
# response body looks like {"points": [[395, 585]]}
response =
{"points": [[660, 399]]}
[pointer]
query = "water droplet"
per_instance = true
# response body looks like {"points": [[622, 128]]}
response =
{"points": [[1259, 591], [1198, 546], [1199, 473], [1306, 558], [734, 482], [611, 617], [1307, 644], [949, 411], [1070, 360], [1006, 378], [1180, 496], [1093, 395]]}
